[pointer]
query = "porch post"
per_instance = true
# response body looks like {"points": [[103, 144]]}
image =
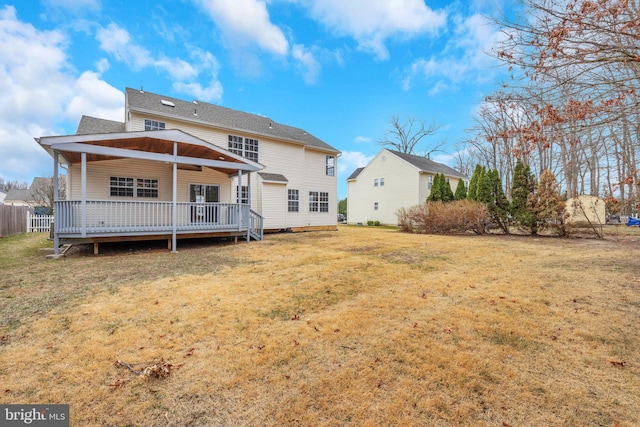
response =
{"points": [[84, 194], [239, 191], [174, 213], [56, 194], [249, 201]]}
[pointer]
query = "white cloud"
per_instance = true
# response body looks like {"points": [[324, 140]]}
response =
{"points": [[117, 41], [95, 97], [464, 58], [74, 5], [245, 23], [351, 160], [372, 22], [308, 63], [39, 91], [362, 139]]}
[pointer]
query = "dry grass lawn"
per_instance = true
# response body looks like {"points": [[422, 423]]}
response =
{"points": [[363, 327]]}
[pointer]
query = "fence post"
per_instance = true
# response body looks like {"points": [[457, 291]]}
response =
{"points": [[28, 222]]}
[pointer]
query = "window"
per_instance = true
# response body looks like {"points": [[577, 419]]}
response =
{"points": [[430, 182], [244, 195], [130, 187], [318, 201], [146, 187], [153, 125], [294, 201], [120, 187], [375, 206], [381, 182], [330, 165], [375, 182], [245, 147]]}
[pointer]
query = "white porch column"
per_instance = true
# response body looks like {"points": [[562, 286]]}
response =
{"points": [[174, 195], [56, 195], [239, 200], [249, 201], [84, 194]]}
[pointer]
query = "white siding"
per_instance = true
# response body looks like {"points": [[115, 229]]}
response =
{"points": [[303, 167], [275, 206], [98, 174]]}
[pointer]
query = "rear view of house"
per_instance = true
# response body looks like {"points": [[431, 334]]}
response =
{"points": [[393, 180], [177, 169]]}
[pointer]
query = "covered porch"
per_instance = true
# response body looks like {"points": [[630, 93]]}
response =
{"points": [[112, 218]]}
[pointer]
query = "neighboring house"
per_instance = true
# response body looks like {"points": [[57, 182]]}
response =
{"points": [[177, 169], [393, 180], [2, 197], [38, 196]]}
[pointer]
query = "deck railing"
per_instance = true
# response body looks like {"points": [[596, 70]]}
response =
{"points": [[115, 217]]}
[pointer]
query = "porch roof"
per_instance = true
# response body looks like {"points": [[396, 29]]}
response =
{"points": [[155, 145]]}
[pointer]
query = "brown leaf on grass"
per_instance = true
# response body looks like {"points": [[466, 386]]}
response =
{"points": [[118, 383], [620, 363], [492, 302], [189, 352], [295, 317], [4, 338]]}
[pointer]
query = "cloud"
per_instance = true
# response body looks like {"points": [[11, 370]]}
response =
{"points": [[372, 22], [464, 58], [117, 42], [362, 139], [95, 97], [351, 160], [308, 63], [75, 6], [246, 23], [39, 93]]}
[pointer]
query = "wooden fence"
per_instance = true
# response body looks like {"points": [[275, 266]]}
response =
{"points": [[13, 219]]}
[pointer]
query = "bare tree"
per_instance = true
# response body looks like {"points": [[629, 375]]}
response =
{"points": [[41, 193], [8, 185], [405, 137]]}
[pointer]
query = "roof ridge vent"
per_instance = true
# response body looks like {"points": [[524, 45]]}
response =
{"points": [[167, 103]]}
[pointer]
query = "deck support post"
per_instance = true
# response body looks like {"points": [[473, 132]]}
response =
{"points": [[239, 191], [84, 194], [56, 195], [174, 213]]}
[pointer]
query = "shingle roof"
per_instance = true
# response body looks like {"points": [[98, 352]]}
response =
{"points": [[355, 174], [427, 165], [90, 125], [215, 115], [274, 177]]}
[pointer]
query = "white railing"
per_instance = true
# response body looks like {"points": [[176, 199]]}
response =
{"points": [[38, 223], [115, 217]]}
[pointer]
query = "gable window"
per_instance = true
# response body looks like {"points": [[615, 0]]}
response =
{"points": [[430, 182], [153, 125], [330, 163], [318, 201], [294, 201], [130, 187], [245, 147], [381, 182], [375, 182], [375, 206], [244, 195]]}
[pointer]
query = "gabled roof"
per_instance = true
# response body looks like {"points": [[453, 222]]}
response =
{"points": [[221, 117], [355, 174], [90, 125], [428, 165]]}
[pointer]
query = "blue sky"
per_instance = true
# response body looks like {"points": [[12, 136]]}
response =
{"points": [[339, 69]]}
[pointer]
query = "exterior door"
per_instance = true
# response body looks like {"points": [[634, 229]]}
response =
{"points": [[203, 194]]}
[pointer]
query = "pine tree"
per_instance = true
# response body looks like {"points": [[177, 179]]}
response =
{"points": [[472, 193], [523, 184], [461, 191], [547, 204], [445, 189], [436, 190], [490, 193]]}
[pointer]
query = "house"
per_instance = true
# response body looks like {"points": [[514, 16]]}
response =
{"points": [[390, 181], [2, 197], [38, 196], [183, 169]]}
